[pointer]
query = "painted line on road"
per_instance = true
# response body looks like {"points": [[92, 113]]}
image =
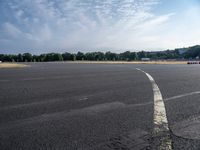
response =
{"points": [[83, 99], [161, 128], [4, 80], [182, 95]]}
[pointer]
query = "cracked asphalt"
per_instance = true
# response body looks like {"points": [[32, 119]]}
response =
{"points": [[68, 106]]}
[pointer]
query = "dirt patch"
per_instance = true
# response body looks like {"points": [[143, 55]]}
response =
{"points": [[12, 65]]}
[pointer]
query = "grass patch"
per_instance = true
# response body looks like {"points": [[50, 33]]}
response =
{"points": [[12, 65]]}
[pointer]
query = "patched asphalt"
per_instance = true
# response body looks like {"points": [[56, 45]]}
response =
{"points": [[95, 106]]}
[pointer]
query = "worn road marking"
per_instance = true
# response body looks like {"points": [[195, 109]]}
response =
{"points": [[161, 129], [183, 95], [83, 99]]}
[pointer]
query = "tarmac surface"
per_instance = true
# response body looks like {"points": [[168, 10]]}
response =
{"points": [[66, 106]]}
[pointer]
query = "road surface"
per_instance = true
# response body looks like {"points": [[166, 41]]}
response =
{"points": [[64, 106]]}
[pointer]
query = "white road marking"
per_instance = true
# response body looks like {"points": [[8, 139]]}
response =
{"points": [[161, 128], [4, 80], [183, 95], [83, 99]]}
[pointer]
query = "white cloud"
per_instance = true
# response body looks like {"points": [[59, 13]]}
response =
{"points": [[19, 13], [45, 34], [155, 21], [11, 30], [87, 24], [184, 31]]}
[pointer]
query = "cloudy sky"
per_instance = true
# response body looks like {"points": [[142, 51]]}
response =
{"points": [[39, 26]]}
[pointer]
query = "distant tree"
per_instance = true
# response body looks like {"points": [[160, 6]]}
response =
{"points": [[132, 56], [180, 53], [57, 57], [141, 54], [80, 56], [99, 56], [67, 56], [7, 58], [1, 57], [53, 57], [42, 57], [192, 52], [36, 58], [90, 56], [19, 58], [127, 56], [49, 57], [27, 57], [74, 57], [14, 58], [111, 56]]}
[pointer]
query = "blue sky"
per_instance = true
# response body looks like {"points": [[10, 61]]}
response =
{"points": [[39, 26]]}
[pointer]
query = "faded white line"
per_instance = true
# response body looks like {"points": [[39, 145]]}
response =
{"points": [[83, 99], [161, 128], [4, 80], [182, 95]]}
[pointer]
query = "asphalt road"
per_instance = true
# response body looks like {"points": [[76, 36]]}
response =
{"points": [[63, 106]]}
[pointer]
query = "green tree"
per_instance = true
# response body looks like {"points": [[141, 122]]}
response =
{"points": [[99, 56], [67, 56], [27, 57], [141, 55], [20, 57], [57, 57], [110, 56], [80, 56]]}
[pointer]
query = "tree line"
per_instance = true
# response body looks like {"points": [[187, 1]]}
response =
{"points": [[183, 53]]}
